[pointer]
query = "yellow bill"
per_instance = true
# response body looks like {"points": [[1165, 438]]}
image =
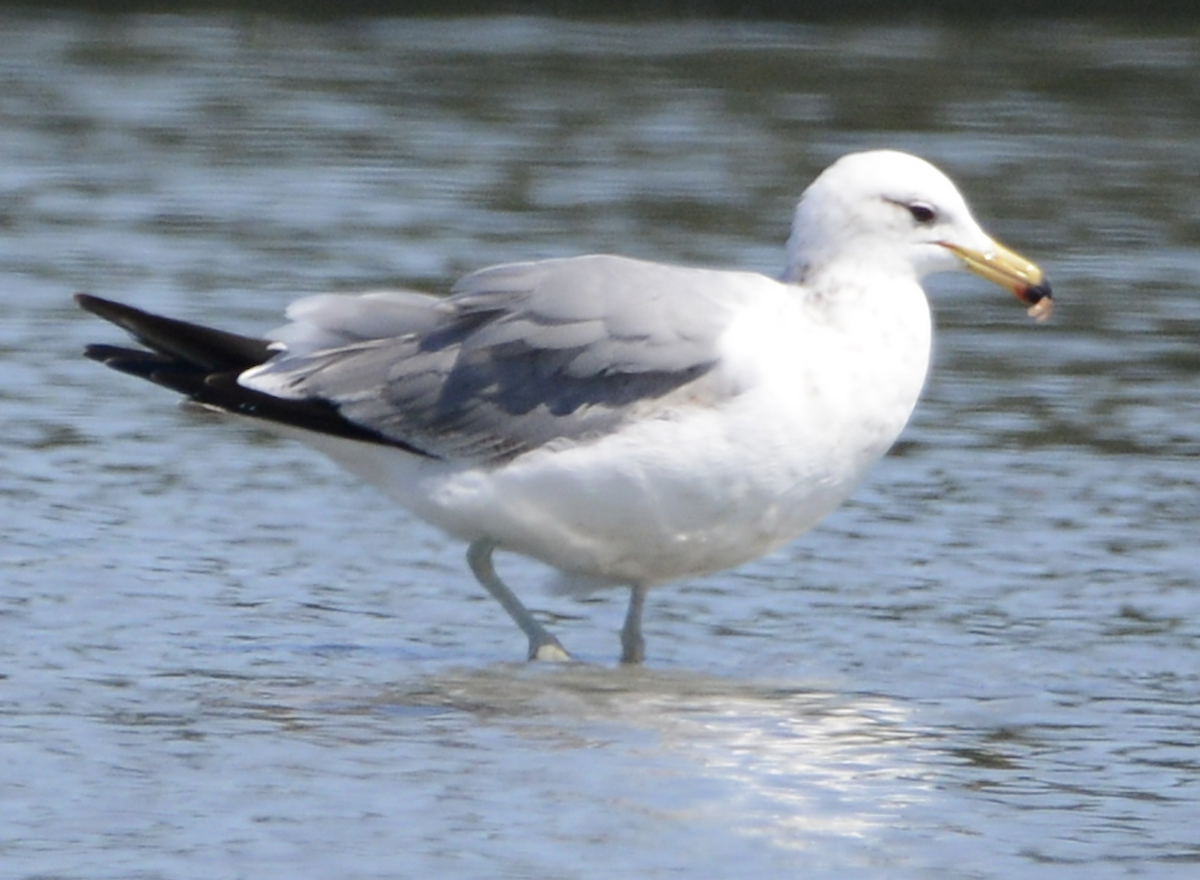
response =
{"points": [[1011, 271]]}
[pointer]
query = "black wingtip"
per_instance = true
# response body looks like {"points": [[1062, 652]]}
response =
{"points": [[98, 351], [204, 364], [114, 312], [204, 347]]}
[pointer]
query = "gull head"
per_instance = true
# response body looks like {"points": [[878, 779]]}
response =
{"points": [[888, 212]]}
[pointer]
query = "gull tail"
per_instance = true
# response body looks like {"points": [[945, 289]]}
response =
{"points": [[204, 364]]}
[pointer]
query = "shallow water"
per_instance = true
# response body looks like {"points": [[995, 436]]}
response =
{"points": [[221, 657]]}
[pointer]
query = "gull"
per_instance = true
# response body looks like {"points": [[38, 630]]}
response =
{"points": [[629, 423]]}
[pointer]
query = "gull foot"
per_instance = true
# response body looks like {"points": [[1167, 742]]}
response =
{"points": [[633, 651], [551, 652]]}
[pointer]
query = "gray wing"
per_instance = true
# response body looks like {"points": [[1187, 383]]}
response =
{"points": [[521, 354]]}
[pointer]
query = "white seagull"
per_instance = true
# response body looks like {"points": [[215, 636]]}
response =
{"points": [[627, 422]]}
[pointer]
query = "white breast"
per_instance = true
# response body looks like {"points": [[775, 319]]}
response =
{"points": [[702, 487]]}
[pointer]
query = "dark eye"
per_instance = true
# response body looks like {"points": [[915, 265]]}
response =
{"points": [[922, 213]]}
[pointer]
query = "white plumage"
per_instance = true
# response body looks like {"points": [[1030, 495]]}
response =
{"points": [[626, 422]]}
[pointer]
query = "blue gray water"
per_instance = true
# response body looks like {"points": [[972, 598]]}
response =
{"points": [[220, 657]]}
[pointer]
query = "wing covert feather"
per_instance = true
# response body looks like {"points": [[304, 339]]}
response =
{"points": [[521, 355]]}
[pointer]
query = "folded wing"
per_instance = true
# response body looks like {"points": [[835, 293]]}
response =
{"points": [[520, 356]]}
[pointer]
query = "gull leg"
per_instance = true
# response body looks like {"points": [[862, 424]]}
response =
{"points": [[633, 646], [542, 645]]}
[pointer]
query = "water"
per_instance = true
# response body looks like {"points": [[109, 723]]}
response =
{"points": [[223, 658]]}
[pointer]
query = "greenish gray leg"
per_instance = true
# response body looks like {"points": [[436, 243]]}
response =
{"points": [[542, 645], [633, 646]]}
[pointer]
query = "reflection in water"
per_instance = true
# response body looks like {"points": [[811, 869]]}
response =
{"points": [[793, 767]]}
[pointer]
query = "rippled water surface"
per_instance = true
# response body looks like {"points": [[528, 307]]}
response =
{"points": [[221, 657]]}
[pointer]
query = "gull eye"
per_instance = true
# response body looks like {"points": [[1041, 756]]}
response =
{"points": [[922, 213]]}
